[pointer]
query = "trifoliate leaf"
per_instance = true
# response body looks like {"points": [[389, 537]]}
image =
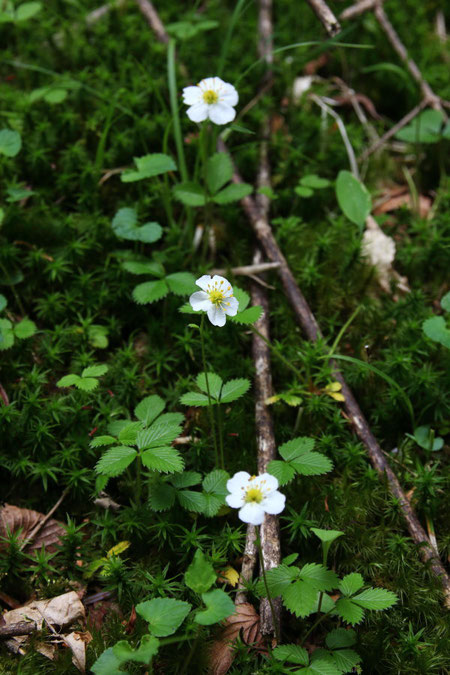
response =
{"points": [[300, 598], [115, 460], [191, 194], [345, 660], [353, 198], [291, 654], [322, 663], [215, 482], [186, 479], [212, 504], [160, 433], [232, 193], [191, 500], [193, 398], [166, 460], [149, 166], [149, 409], [340, 637], [297, 447], [234, 389], [214, 383], [219, 170], [200, 574], [375, 598], [128, 434], [248, 316], [351, 583], [181, 283], [67, 380], [319, 577], [25, 329], [242, 297], [163, 615], [10, 142], [87, 383], [150, 291], [349, 611], [278, 579], [219, 606], [95, 371], [283, 471], [161, 497], [312, 464], [99, 441]]}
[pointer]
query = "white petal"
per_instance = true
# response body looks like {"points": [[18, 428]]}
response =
{"points": [[270, 482], [252, 513], [197, 112], [235, 500], [207, 83], [274, 503], [217, 316], [221, 113], [200, 301], [230, 306], [192, 95], [239, 480], [204, 282], [228, 95], [221, 282]]}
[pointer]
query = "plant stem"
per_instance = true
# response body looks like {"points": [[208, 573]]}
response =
{"points": [[210, 410], [220, 420], [138, 479], [171, 75], [269, 597], [314, 626]]}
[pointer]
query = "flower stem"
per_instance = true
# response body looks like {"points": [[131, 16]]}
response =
{"points": [[171, 73], [138, 479], [210, 410], [220, 420], [269, 597]]}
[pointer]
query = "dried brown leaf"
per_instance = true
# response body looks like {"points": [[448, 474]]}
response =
{"points": [[13, 518], [396, 201], [77, 642], [244, 623]]}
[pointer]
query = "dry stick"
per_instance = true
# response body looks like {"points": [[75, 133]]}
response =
{"points": [[325, 16], [19, 628], [38, 527], [308, 323], [246, 270], [356, 10], [153, 19]]}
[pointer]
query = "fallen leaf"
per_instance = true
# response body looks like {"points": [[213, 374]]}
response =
{"points": [[229, 575], [396, 201], [77, 642], [13, 518], [245, 623]]}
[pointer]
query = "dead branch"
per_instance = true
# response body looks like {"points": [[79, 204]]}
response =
{"points": [[38, 527], [247, 270], [357, 9], [153, 20], [248, 564], [325, 16], [19, 628]]}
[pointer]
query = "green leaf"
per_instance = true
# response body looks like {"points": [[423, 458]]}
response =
{"points": [[55, 95], [345, 660], [99, 441], [98, 336], [149, 409], [219, 170], [68, 380], [351, 583], [232, 193], [315, 182], [166, 460], [95, 371], [10, 142], [188, 193], [181, 283], [186, 479], [284, 472], [128, 434], [326, 536], [87, 383], [322, 663], [162, 496], [25, 329], [2, 217], [18, 194], [425, 128], [148, 166], [115, 460], [300, 598], [160, 433], [219, 606], [194, 399], [312, 464], [319, 577], [248, 316], [296, 447], [147, 649], [278, 580], [27, 10], [436, 329], [214, 382], [200, 574], [375, 598], [242, 297], [107, 664], [292, 654], [234, 389], [348, 611], [340, 637], [191, 500], [148, 233], [353, 198], [427, 440], [302, 191], [164, 615], [215, 482], [445, 302], [212, 504], [7, 336], [148, 267], [150, 291]]}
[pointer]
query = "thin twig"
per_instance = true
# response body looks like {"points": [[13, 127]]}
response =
{"points": [[325, 16], [393, 130], [153, 19], [357, 9], [19, 628], [247, 270], [38, 527]]}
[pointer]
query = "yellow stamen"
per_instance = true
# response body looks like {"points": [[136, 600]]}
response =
{"points": [[216, 297], [254, 495], [210, 96]]}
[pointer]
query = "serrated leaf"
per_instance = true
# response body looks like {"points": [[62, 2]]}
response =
{"points": [[163, 615], [186, 479], [115, 427], [278, 579], [283, 471], [98, 336], [216, 482], [149, 166], [214, 382], [234, 389], [292, 654], [353, 198], [326, 603], [375, 598], [219, 170], [181, 283], [219, 606], [161, 497], [349, 611], [191, 194], [193, 398], [300, 598], [99, 441], [165, 460], [191, 500], [351, 583], [312, 464], [128, 434], [160, 433], [212, 504], [232, 193], [149, 409], [296, 447], [319, 577], [242, 297], [107, 664], [115, 460], [340, 637], [68, 380], [345, 660], [87, 383], [200, 574], [248, 316], [10, 142], [25, 329], [95, 371], [155, 269], [322, 663], [150, 291]]}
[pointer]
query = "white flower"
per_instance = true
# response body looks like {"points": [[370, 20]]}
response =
{"points": [[212, 99], [254, 496], [216, 298]]}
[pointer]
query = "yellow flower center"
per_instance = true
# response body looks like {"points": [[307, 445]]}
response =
{"points": [[254, 495], [210, 96], [216, 297]]}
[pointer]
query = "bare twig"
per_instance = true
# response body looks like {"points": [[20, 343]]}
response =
{"points": [[19, 628], [248, 564], [247, 270], [38, 527], [153, 19], [357, 9], [325, 16], [102, 11]]}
